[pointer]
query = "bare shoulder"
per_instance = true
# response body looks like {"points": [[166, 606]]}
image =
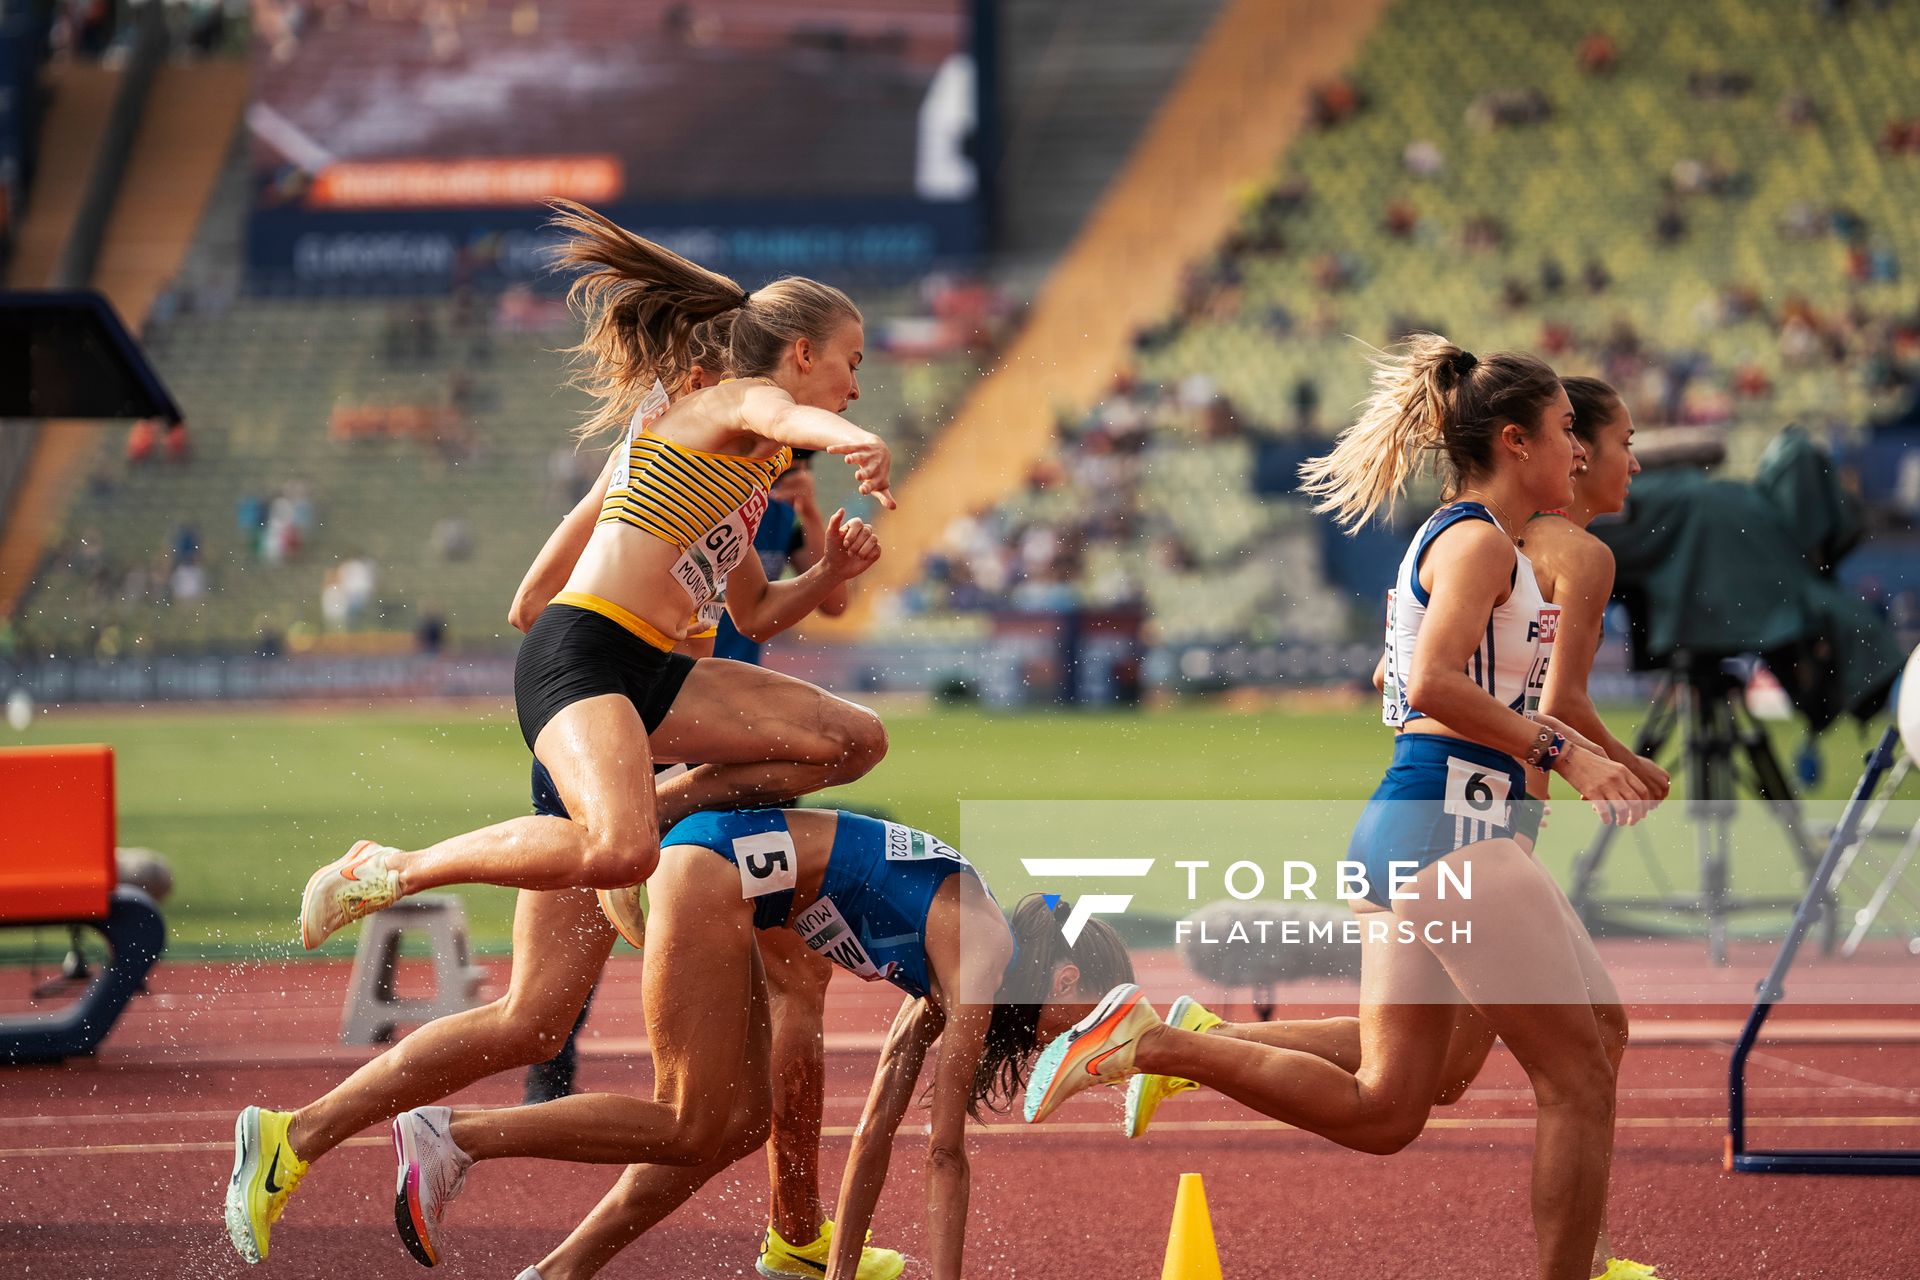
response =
{"points": [[714, 419], [1568, 560], [1473, 545], [1584, 559]]}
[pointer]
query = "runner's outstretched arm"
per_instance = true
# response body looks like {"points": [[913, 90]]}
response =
{"points": [[915, 1027]]}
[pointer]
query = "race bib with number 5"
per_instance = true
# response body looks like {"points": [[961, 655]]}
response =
{"points": [[1476, 792], [767, 863]]}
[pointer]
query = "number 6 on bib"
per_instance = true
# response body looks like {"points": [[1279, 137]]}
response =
{"points": [[1476, 792]]}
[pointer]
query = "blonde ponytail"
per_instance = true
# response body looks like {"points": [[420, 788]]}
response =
{"points": [[1432, 400], [1400, 422], [640, 303]]}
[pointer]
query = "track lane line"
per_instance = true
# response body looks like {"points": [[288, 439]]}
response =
{"points": [[1082, 1128]]}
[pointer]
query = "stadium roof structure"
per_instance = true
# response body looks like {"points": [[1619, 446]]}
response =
{"points": [[66, 354]]}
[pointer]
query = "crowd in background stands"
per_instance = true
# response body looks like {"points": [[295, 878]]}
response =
{"points": [[1030, 552], [1658, 378]]}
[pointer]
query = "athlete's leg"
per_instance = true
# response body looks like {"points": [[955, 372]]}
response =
{"points": [[647, 1193], [596, 749], [1407, 1009], [797, 988], [553, 1077], [699, 979], [1522, 968], [763, 738], [1610, 1016], [1338, 1041], [560, 942]]}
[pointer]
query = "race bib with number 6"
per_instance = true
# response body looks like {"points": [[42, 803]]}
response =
{"points": [[1476, 792]]}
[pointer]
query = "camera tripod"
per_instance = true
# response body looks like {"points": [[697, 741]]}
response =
{"points": [[1724, 750]]}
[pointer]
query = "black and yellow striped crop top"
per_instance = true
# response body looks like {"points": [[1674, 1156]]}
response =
{"points": [[707, 505]]}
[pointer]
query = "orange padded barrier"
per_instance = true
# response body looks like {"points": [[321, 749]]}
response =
{"points": [[56, 833]]}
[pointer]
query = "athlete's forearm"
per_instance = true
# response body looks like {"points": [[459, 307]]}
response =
{"points": [[949, 1183], [548, 573], [1453, 699], [813, 542], [865, 1176], [1576, 710], [961, 1050], [805, 427], [783, 603], [914, 1027], [859, 1195]]}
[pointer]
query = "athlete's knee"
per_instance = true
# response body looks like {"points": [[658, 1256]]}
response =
{"points": [[752, 1126], [504, 1036], [1451, 1091], [1394, 1135], [1582, 1081], [1389, 1126], [694, 1139], [860, 740], [618, 854], [529, 1031]]}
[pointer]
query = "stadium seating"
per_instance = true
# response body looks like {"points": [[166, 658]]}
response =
{"points": [[1586, 183], [1737, 179], [449, 521]]}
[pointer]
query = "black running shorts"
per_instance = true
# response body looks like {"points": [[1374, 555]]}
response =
{"points": [[573, 653]]}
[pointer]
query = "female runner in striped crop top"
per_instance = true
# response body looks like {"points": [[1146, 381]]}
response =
{"points": [[597, 689], [561, 939]]}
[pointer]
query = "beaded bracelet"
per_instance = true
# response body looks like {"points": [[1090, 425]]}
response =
{"points": [[1540, 744], [1549, 759]]}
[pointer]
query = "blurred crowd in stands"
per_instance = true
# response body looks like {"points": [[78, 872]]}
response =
{"points": [[1292, 277]]}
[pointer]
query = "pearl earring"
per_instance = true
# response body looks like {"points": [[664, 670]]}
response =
{"points": [[1526, 457]]}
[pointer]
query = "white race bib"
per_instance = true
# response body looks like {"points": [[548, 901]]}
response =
{"points": [[906, 844], [1476, 792], [825, 931], [652, 405], [702, 570], [767, 863], [1392, 709], [1543, 631]]}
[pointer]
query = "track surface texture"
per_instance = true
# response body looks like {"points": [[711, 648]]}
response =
{"points": [[113, 1168]]}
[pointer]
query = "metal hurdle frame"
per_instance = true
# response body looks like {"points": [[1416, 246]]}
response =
{"points": [[1773, 990]]}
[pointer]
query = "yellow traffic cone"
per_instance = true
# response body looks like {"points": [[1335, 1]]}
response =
{"points": [[1190, 1251]]}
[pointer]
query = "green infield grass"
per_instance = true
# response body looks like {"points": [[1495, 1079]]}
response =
{"points": [[245, 803]]}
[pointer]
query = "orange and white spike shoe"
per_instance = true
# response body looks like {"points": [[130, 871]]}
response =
{"points": [[1097, 1050], [346, 889]]}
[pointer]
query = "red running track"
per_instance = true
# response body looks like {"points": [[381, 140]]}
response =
{"points": [[113, 1169]]}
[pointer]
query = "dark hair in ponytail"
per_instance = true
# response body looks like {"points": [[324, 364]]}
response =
{"points": [[1595, 404], [1013, 1033]]}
